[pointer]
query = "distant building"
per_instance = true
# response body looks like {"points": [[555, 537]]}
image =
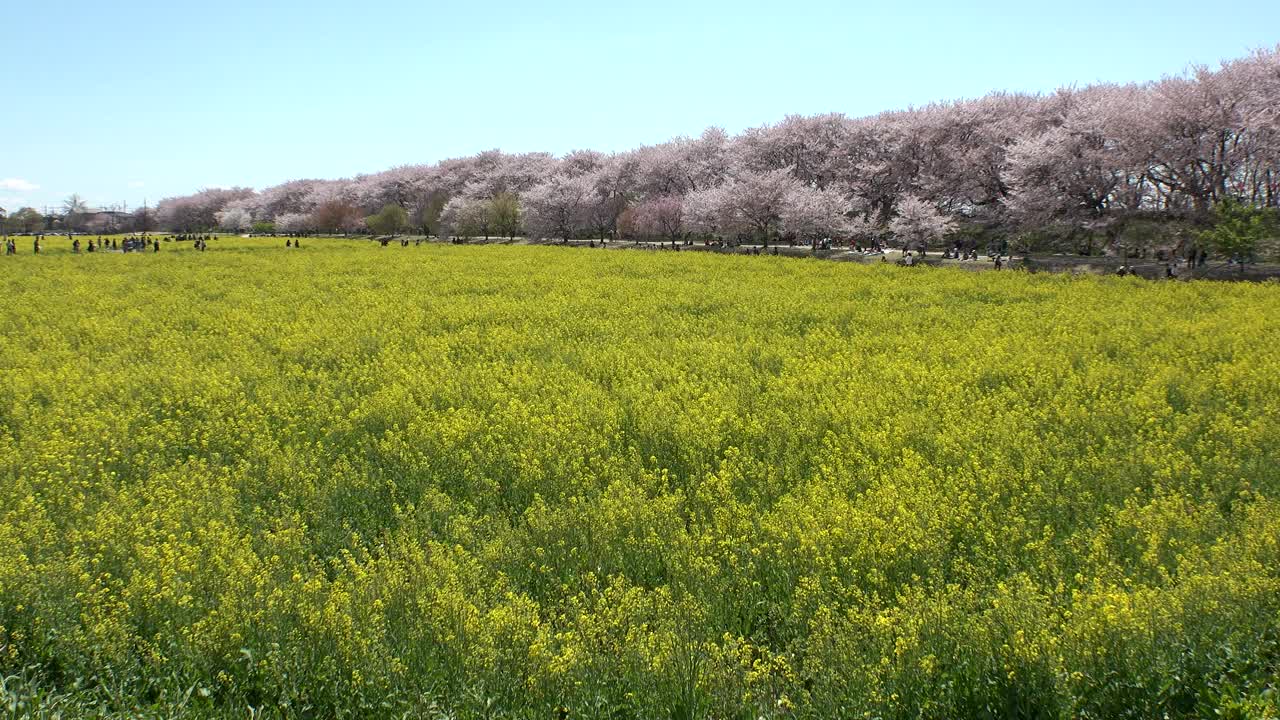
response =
{"points": [[106, 221]]}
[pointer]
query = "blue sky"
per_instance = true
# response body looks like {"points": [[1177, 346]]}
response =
{"points": [[121, 101]]}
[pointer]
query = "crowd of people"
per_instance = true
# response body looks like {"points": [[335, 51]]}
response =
{"points": [[133, 243], [129, 243]]}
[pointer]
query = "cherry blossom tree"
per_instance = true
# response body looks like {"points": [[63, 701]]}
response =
{"points": [[558, 207], [880, 165], [284, 199], [757, 201], [294, 222], [403, 186], [466, 217], [336, 216], [708, 159], [918, 223], [710, 212], [499, 173], [810, 147], [235, 219], [660, 169], [811, 213], [198, 211], [1077, 169], [613, 187], [1209, 135], [661, 217], [1259, 74], [959, 152], [581, 162]]}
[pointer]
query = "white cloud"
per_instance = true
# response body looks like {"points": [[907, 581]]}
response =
{"points": [[17, 184], [136, 184]]}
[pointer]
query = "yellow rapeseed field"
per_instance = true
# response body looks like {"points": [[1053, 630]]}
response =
{"points": [[451, 481]]}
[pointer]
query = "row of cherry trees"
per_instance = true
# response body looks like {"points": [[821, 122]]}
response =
{"points": [[1081, 158]]}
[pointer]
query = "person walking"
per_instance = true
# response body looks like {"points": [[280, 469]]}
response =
{"points": [[35, 245]]}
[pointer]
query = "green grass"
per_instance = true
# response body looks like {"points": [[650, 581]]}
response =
{"points": [[529, 481]]}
